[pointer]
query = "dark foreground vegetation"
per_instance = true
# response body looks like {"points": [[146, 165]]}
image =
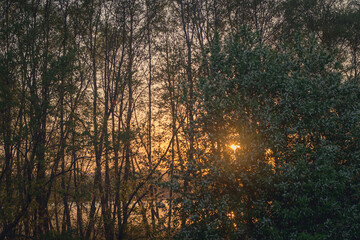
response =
{"points": [[179, 119]]}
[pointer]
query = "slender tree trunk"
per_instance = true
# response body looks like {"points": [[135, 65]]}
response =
{"points": [[190, 100], [117, 210], [67, 223], [41, 199], [171, 89], [6, 115], [153, 209], [97, 177], [123, 230]]}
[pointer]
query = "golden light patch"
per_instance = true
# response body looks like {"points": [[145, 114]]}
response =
{"points": [[234, 147]]}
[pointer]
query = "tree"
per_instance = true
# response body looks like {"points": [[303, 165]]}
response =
{"points": [[288, 177]]}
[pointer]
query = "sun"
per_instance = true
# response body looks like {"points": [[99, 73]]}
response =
{"points": [[234, 147]]}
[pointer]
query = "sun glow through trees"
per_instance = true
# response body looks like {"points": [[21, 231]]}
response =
{"points": [[234, 147]]}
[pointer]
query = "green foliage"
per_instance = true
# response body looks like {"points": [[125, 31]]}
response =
{"points": [[297, 124]]}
